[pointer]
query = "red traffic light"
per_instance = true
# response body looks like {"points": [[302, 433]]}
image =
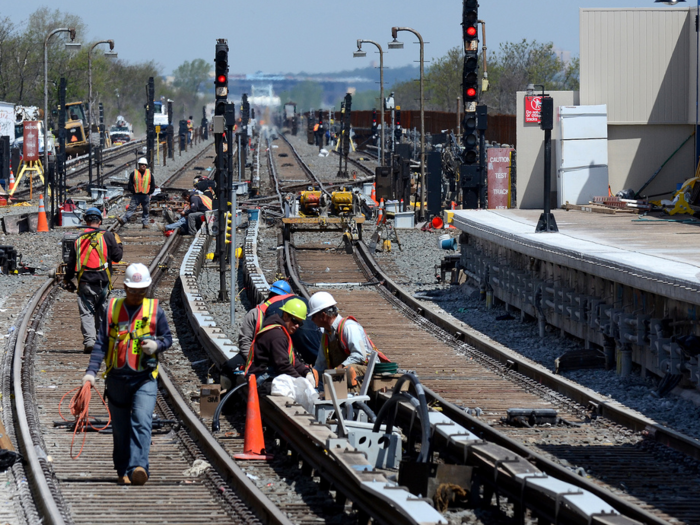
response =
{"points": [[221, 79], [471, 92], [471, 31]]}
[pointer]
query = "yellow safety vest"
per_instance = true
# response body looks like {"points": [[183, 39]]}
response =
{"points": [[142, 183], [125, 334]]}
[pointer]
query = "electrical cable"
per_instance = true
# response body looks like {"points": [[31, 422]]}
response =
{"points": [[80, 408]]}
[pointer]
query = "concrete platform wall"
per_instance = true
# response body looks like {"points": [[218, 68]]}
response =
{"points": [[626, 324]]}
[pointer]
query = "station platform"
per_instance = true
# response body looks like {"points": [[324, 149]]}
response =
{"points": [[653, 254], [626, 284]]}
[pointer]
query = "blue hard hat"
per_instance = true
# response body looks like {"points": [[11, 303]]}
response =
{"points": [[96, 212], [281, 288]]}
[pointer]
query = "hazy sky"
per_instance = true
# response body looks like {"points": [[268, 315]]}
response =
{"points": [[311, 35]]}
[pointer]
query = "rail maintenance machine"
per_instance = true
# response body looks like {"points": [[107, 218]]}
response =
{"points": [[319, 209]]}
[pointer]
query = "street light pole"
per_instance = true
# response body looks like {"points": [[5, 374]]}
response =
{"points": [[394, 31], [112, 55], [70, 30], [360, 53]]}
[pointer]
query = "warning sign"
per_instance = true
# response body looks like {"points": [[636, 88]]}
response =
{"points": [[498, 178], [31, 141], [533, 107]]}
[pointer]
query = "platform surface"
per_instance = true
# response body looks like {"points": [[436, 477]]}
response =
{"points": [[654, 255]]}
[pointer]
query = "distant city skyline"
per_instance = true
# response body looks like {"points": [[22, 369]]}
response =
{"points": [[314, 36]]}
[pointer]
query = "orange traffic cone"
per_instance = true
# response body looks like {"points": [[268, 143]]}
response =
{"points": [[373, 196], [380, 213], [42, 226], [254, 444], [12, 182]]}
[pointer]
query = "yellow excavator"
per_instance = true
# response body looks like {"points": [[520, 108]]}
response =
{"points": [[76, 135]]}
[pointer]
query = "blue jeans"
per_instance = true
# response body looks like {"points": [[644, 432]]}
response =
{"points": [[138, 199], [181, 222], [132, 419]]}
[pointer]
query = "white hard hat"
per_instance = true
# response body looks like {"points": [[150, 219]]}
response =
{"points": [[143, 160], [137, 276], [320, 301]]}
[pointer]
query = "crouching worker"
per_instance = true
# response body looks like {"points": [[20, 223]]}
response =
{"points": [[272, 352], [135, 331], [344, 343]]}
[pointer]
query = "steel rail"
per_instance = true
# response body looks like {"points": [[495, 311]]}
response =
{"points": [[44, 499], [304, 166]]}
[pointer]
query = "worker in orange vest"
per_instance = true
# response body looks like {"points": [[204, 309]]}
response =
{"points": [[90, 259], [142, 185]]}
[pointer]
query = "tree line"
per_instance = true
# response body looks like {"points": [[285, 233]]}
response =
{"points": [[119, 85]]}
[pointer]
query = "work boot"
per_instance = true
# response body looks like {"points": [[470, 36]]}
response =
{"points": [[139, 476], [123, 480], [87, 349], [161, 227], [145, 226]]}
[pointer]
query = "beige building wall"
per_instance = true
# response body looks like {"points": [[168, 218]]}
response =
{"points": [[530, 160], [640, 63]]}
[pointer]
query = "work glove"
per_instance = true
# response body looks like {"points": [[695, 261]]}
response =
{"points": [[89, 378], [312, 377], [149, 346]]}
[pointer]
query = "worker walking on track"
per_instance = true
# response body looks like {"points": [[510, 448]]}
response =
{"points": [[90, 259], [272, 352], [135, 331], [142, 185], [344, 343]]}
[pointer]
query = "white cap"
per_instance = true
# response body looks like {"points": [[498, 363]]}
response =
{"points": [[320, 301], [137, 276], [143, 160]]}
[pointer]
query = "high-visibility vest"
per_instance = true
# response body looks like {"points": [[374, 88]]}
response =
{"points": [[142, 183], [290, 347], [207, 201], [344, 344], [91, 254], [316, 127], [124, 347], [261, 309]]}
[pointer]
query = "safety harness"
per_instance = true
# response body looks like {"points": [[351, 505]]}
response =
{"points": [[343, 344], [261, 309], [90, 244], [142, 183], [290, 348], [126, 334]]}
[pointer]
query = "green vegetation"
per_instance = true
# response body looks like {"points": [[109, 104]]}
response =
{"points": [[363, 100], [120, 86], [511, 68], [306, 94]]}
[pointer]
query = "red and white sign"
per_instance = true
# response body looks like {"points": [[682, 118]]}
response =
{"points": [[31, 141], [533, 107], [498, 178]]}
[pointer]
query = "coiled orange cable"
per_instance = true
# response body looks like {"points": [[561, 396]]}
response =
{"points": [[80, 409]]}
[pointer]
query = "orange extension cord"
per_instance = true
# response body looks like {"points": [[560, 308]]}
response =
{"points": [[80, 408]]}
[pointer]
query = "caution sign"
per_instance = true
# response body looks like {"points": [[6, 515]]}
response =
{"points": [[533, 108], [31, 141], [157, 129], [499, 164]]}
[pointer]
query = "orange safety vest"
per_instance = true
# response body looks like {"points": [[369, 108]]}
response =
{"points": [[142, 183], [290, 347], [91, 254], [261, 309], [344, 344], [207, 201], [125, 334], [316, 127]]}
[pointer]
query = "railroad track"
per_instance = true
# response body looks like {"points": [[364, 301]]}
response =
{"points": [[68, 491], [624, 466], [77, 168]]}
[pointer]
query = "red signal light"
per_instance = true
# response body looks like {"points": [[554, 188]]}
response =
{"points": [[471, 31], [221, 79], [471, 92]]}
